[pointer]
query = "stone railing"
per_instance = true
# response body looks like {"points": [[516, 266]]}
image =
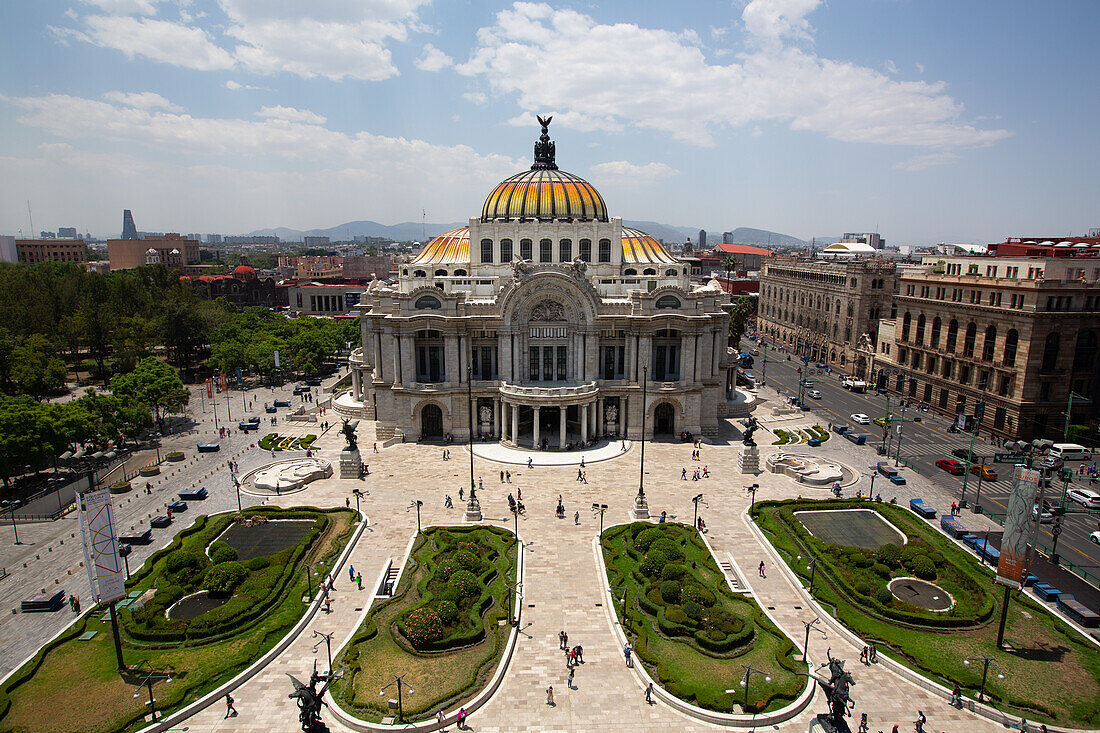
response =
{"points": [[357, 357], [555, 392]]}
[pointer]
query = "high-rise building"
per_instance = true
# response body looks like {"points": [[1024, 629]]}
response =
{"points": [[66, 232], [727, 237], [129, 231], [33, 251], [869, 238], [702, 239]]}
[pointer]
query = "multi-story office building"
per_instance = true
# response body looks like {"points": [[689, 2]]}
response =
{"points": [[553, 315], [33, 251], [1013, 334], [173, 250], [827, 311]]}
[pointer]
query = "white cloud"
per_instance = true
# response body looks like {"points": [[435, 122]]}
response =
{"points": [[618, 172], [158, 40], [612, 77], [291, 114], [890, 66], [478, 98], [142, 100], [125, 7], [433, 59]]}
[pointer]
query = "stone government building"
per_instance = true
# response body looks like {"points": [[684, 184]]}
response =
{"points": [[550, 314]]}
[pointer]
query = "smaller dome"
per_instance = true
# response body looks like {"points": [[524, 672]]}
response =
{"points": [[244, 272], [150, 251], [185, 278], [449, 248], [640, 248]]}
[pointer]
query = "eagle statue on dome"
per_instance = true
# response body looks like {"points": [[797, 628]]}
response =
{"points": [[544, 148]]}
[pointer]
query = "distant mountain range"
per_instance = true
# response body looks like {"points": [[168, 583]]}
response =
{"points": [[416, 231]]}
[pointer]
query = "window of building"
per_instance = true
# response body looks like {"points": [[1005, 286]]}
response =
{"points": [[964, 374], [441, 273], [947, 366], [934, 340], [1003, 383], [585, 248], [931, 364], [920, 329], [612, 367], [999, 418], [670, 272], [525, 249], [913, 387], [420, 273], [666, 356], [1084, 356], [983, 379], [905, 321], [916, 359], [429, 356], [605, 250], [546, 250], [561, 364], [952, 334], [668, 301], [970, 339], [425, 302], [1050, 352], [928, 393], [506, 250], [989, 345], [486, 250], [630, 271], [1044, 391], [944, 397], [565, 250]]}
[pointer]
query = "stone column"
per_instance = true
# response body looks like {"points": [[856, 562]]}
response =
{"points": [[584, 420], [561, 426], [496, 417], [408, 360], [515, 424], [535, 431], [356, 384]]}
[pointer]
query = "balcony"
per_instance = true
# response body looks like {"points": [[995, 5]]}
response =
{"points": [[356, 358], [549, 393]]}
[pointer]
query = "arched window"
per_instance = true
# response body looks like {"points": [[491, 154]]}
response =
{"points": [[585, 252], [426, 302], [546, 250], [838, 307], [850, 310], [525, 249], [934, 342], [565, 250], [405, 272], [970, 338], [630, 271], [486, 250], [420, 273], [441, 273], [853, 282], [460, 273], [668, 301], [952, 335], [506, 250], [1012, 339], [605, 250], [920, 330], [989, 344], [670, 273], [905, 321], [649, 271], [1084, 357], [1050, 352]]}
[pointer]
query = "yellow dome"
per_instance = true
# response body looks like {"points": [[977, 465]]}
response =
{"points": [[545, 194], [641, 249], [449, 248]]}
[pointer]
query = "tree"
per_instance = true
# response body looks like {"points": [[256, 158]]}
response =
{"points": [[25, 436], [96, 324], [729, 264], [185, 328], [739, 318], [36, 369], [154, 383]]}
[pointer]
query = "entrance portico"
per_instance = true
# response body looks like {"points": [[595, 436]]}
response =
{"points": [[548, 416]]}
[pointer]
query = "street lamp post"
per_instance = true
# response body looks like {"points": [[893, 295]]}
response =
{"points": [[327, 639], [11, 508], [416, 504], [752, 489], [358, 493], [901, 426], [470, 436], [599, 509], [512, 588], [749, 670], [623, 589], [401, 683], [151, 678], [309, 580], [987, 662], [696, 500], [641, 473], [806, 644], [237, 487]]}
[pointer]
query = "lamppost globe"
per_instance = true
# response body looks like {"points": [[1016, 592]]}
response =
{"points": [[767, 679], [742, 683]]}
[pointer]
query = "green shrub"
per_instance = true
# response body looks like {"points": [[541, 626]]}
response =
{"points": [[864, 588], [923, 567], [447, 567], [676, 615], [257, 563], [448, 593], [223, 578], [693, 610], [670, 591], [652, 564], [221, 552], [167, 595], [673, 571], [862, 559], [647, 537], [698, 594], [889, 555], [448, 612], [881, 570], [465, 583], [181, 559], [884, 596], [423, 626], [467, 560], [668, 548]]}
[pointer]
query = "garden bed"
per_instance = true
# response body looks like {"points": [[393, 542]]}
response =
{"points": [[274, 441], [444, 628], [1050, 673], [265, 601], [687, 627]]}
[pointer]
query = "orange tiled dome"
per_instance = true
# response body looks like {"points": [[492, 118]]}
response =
{"points": [[545, 194], [448, 248]]}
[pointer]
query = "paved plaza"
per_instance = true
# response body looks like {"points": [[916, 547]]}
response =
{"points": [[562, 590]]}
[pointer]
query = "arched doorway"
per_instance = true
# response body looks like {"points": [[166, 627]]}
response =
{"points": [[431, 421], [664, 418]]}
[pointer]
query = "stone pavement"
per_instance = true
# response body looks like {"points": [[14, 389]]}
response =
{"points": [[562, 587]]}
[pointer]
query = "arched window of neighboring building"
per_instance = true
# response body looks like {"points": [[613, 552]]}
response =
{"points": [[1012, 340], [920, 329], [630, 271], [420, 273], [1050, 352], [649, 271], [849, 310], [460, 273], [405, 272], [670, 273], [426, 302], [934, 342], [441, 273], [990, 343], [970, 338], [952, 335], [905, 321], [668, 301]]}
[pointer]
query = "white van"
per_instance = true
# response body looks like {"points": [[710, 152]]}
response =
{"points": [[1070, 452]]}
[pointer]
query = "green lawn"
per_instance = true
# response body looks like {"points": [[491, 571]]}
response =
{"points": [[1051, 674], [78, 684], [691, 632], [442, 629]]}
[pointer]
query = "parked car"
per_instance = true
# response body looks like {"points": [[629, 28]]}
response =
{"points": [[1045, 517], [953, 467], [860, 418], [1095, 538], [814, 394], [987, 473], [821, 365], [1085, 497]]}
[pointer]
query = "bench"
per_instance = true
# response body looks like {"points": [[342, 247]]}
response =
{"points": [[177, 506], [209, 447], [1046, 591], [1078, 611], [141, 538], [918, 506], [43, 603], [160, 521], [952, 526], [197, 494]]}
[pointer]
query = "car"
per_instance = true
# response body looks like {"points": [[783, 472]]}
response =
{"points": [[963, 454], [880, 421], [860, 418], [314, 381], [1085, 497], [807, 382], [1095, 537], [1045, 517], [821, 365], [987, 473], [882, 390], [814, 394], [952, 467], [282, 403]]}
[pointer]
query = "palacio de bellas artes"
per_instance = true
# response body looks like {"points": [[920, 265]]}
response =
{"points": [[549, 314]]}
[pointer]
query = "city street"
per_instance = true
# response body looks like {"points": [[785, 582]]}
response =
{"points": [[922, 444]]}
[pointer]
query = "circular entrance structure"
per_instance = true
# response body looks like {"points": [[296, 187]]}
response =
{"points": [[286, 477], [921, 593]]}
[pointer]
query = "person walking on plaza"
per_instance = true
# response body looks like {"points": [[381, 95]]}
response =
{"points": [[576, 517], [863, 723], [502, 476], [550, 696], [626, 654], [706, 472], [359, 580], [460, 719], [529, 462], [351, 573], [649, 693], [563, 639], [439, 718], [584, 477], [569, 680], [508, 477], [229, 709], [683, 474], [918, 724], [762, 569], [579, 472], [579, 651]]}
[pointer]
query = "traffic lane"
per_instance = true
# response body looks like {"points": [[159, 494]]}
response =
{"points": [[1065, 581]]}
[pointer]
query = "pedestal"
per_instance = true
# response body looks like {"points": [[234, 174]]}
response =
{"points": [[351, 464], [748, 459], [641, 507], [473, 510]]}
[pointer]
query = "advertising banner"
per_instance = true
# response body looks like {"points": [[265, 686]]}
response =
{"points": [[97, 530], [240, 378], [1010, 568], [225, 383], [209, 388], [276, 359]]}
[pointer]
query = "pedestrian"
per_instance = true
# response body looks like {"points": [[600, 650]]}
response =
{"points": [[579, 472], [956, 696], [626, 654], [351, 573], [375, 445], [649, 693], [439, 718], [762, 569], [863, 655], [569, 681], [460, 719], [584, 477], [508, 477], [952, 508], [706, 472], [447, 503], [519, 494], [529, 462], [479, 483], [695, 475], [576, 517], [561, 639], [460, 491], [582, 461], [502, 476], [872, 653], [918, 724], [229, 709], [359, 580], [623, 449], [328, 604], [580, 653], [683, 474], [572, 657], [863, 723], [550, 695], [347, 503]]}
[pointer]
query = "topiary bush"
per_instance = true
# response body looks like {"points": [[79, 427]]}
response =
{"points": [[258, 563], [466, 583], [667, 548], [884, 596], [652, 564], [223, 578], [698, 594], [670, 591], [221, 552], [448, 612], [647, 537], [923, 567], [889, 555], [467, 561], [673, 571], [423, 626], [446, 568]]}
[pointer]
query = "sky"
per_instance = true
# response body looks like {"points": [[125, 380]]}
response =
{"points": [[925, 120]]}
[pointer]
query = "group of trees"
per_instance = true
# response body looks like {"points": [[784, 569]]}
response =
{"points": [[249, 340]]}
